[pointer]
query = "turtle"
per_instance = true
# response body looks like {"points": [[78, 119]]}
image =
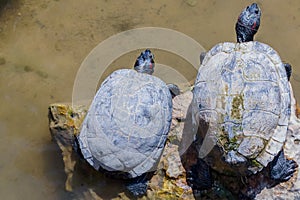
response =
{"points": [[241, 108], [127, 124]]}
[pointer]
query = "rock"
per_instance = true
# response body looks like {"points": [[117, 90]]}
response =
{"points": [[179, 114], [169, 180], [64, 123]]}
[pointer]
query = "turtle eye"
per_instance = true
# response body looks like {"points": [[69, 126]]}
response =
{"points": [[256, 11]]}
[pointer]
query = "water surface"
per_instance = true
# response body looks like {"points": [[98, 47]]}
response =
{"points": [[42, 44]]}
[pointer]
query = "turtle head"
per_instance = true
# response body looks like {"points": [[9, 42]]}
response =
{"points": [[145, 63], [248, 23]]}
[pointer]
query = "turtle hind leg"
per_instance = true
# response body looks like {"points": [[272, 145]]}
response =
{"points": [[282, 169], [199, 176], [138, 186]]}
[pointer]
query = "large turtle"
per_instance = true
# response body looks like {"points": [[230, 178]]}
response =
{"points": [[126, 126], [241, 104]]}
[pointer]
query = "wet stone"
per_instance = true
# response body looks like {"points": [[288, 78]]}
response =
{"points": [[169, 180]]}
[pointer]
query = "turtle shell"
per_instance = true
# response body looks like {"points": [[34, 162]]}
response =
{"points": [[242, 105], [126, 127]]}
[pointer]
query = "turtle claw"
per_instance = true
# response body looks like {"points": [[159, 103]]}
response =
{"points": [[282, 169], [290, 170]]}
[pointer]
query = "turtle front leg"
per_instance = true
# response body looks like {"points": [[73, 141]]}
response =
{"points": [[288, 70], [199, 176], [174, 89], [202, 56], [282, 169]]}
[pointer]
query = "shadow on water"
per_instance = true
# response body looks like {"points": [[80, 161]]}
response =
{"points": [[42, 44]]}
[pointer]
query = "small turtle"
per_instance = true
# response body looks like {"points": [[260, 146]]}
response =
{"points": [[241, 104], [127, 124]]}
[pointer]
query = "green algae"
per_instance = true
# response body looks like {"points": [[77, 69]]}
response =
{"points": [[237, 107]]}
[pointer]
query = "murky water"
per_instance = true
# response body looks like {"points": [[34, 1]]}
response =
{"points": [[42, 44]]}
